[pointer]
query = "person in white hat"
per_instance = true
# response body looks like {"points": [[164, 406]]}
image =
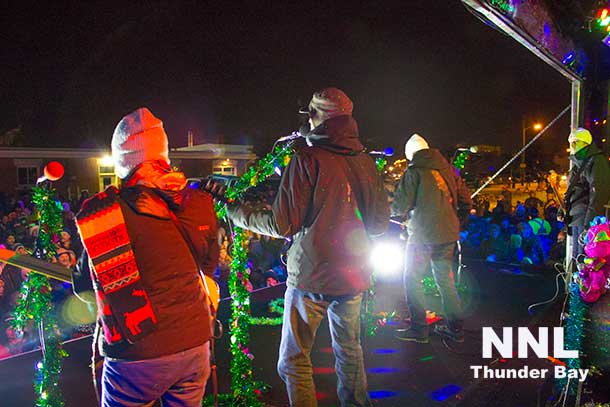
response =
{"points": [[153, 312], [588, 185], [428, 197]]}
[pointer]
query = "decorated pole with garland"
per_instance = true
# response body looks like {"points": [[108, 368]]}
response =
{"points": [[34, 304], [244, 389]]}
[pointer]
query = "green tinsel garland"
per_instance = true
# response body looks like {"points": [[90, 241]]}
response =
{"points": [[34, 303], [574, 332], [504, 6], [244, 388], [380, 162], [460, 160]]}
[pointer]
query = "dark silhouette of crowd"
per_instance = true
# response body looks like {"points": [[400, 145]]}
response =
{"points": [[526, 233]]}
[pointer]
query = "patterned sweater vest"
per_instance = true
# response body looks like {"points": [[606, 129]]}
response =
{"points": [[124, 308]]}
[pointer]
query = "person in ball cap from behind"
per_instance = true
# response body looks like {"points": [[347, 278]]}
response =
{"points": [[330, 201], [588, 185], [428, 197]]}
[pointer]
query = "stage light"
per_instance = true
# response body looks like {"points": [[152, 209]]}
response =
{"points": [[387, 257]]}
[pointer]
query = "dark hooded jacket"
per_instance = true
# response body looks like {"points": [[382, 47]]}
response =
{"points": [[429, 195], [331, 200], [588, 186]]}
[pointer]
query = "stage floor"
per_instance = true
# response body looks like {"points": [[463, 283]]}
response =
{"points": [[399, 373]]}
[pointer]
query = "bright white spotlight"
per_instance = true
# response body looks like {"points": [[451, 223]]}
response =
{"points": [[387, 257]]}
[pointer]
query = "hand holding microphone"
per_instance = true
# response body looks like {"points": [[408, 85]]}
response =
{"points": [[473, 149], [387, 152]]}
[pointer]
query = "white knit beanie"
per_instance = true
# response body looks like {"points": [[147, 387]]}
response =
{"points": [[414, 144], [138, 137]]}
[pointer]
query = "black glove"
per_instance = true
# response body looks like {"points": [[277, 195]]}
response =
{"points": [[216, 190]]}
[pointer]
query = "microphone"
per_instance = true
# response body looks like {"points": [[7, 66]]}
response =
{"points": [[473, 149], [52, 172], [291, 136], [388, 152]]}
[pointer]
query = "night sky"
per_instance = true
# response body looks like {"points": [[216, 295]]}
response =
{"points": [[68, 74]]}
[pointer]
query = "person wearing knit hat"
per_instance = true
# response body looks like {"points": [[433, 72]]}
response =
{"points": [[138, 137], [414, 144], [153, 307], [588, 185], [328, 262], [428, 197], [326, 104], [579, 139]]}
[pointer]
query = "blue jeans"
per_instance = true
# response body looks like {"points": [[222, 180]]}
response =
{"points": [[419, 259], [303, 314], [178, 380]]}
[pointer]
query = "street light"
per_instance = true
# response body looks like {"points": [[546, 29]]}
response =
{"points": [[535, 126]]}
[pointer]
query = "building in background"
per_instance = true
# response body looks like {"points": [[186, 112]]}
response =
{"points": [[92, 170]]}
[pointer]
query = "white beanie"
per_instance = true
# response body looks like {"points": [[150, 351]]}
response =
{"points": [[138, 137], [414, 144]]}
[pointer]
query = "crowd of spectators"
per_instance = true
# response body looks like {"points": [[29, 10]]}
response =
{"points": [[18, 233], [526, 233]]}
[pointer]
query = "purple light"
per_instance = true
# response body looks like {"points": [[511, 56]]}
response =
{"points": [[568, 58], [547, 30], [382, 370], [382, 394], [444, 393], [382, 351]]}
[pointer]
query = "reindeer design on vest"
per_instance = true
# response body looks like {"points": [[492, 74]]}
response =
{"points": [[135, 318]]}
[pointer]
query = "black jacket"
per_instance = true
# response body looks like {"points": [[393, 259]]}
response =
{"points": [[167, 270], [588, 186], [429, 195], [331, 200]]}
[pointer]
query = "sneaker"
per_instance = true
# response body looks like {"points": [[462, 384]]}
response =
{"points": [[411, 335], [446, 332]]}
